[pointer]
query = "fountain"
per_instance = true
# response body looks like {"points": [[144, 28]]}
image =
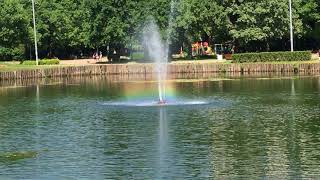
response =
{"points": [[157, 51]]}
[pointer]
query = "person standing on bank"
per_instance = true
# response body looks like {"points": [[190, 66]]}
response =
{"points": [[100, 56]]}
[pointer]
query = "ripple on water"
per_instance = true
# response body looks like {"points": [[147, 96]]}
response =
{"points": [[246, 129]]}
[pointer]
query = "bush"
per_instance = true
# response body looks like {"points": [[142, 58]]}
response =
{"points": [[7, 54], [43, 62], [272, 56], [204, 57], [49, 62], [137, 55]]}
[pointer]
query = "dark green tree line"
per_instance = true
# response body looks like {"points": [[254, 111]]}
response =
{"points": [[69, 28]]}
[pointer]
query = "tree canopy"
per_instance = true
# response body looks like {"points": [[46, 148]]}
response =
{"points": [[68, 28]]}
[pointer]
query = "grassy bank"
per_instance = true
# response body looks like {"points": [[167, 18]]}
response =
{"points": [[17, 71], [16, 66]]}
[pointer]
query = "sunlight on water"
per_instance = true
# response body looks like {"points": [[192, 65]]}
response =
{"points": [[244, 129], [146, 103], [136, 91]]}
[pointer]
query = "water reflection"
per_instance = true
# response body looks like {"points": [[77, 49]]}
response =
{"points": [[37, 129], [164, 164], [269, 128], [293, 89]]}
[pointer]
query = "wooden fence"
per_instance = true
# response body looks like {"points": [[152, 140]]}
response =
{"points": [[173, 68]]}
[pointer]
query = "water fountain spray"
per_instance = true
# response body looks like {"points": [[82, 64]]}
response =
{"points": [[158, 51]]}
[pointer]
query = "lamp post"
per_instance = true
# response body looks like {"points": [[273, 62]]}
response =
{"points": [[35, 33], [291, 26]]}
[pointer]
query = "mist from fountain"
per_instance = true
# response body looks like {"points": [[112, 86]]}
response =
{"points": [[158, 50]]}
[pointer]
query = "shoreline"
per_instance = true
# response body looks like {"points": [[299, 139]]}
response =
{"points": [[150, 78], [149, 68]]}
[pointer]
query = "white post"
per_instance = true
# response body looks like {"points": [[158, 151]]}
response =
{"points": [[35, 33], [291, 26]]}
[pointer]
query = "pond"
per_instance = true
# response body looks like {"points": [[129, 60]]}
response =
{"points": [[83, 128]]}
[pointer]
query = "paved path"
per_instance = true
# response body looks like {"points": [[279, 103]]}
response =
{"points": [[82, 61], [105, 60]]}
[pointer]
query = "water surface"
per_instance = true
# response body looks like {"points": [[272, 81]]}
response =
{"points": [[248, 128]]}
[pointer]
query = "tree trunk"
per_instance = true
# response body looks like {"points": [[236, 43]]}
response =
{"points": [[268, 46]]}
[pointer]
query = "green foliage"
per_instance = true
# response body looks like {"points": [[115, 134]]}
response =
{"points": [[15, 156], [203, 57], [43, 62], [10, 53], [206, 57], [137, 55], [14, 22], [310, 13], [68, 27], [260, 20], [29, 63], [272, 56], [250, 25], [49, 62], [198, 19]]}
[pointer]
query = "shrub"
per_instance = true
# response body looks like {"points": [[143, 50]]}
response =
{"points": [[11, 53], [137, 55], [272, 56], [49, 62], [204, 57], [43, 62]]}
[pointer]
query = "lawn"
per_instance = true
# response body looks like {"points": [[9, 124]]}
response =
{"points": [[15, 66]]}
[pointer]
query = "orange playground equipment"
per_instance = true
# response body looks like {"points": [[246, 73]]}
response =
{"points": [[201, 48]]}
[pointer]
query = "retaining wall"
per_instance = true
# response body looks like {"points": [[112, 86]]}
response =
{"points": [[173, 68]]}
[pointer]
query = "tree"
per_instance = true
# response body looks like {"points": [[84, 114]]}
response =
{"points": [[13, 29], [68, 27], [202, 20], [55, 26], [309, 11], [261, 22]]}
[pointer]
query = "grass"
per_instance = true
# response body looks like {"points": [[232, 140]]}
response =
{"points": [[16, 66], [137, 55]]}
